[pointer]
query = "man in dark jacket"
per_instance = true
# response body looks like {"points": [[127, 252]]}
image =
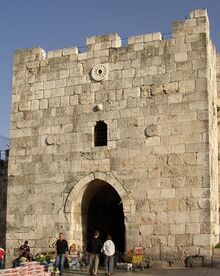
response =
{"points": [[94, 249], [62, 249], [25, 251]]}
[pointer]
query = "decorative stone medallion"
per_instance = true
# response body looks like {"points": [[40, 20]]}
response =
{"points": [[99, 72], [50, 140], [150, 131]]}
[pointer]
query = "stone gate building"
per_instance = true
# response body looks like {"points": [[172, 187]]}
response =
{"points": [[123, 139]]}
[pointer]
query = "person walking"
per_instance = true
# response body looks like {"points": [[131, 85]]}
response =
{"points": [[62, 251], [94, 249], [2, 257], [109, 251]]}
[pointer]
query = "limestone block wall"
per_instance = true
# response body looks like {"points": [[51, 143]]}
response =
{"points": [[158, 99], [213, 139], [218, 103]]}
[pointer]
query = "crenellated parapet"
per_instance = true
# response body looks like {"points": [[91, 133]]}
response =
{"points": [[198, 23]]}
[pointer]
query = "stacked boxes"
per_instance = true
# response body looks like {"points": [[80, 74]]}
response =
{"points": [[27, 269]]}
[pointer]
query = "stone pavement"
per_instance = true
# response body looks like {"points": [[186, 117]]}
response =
{"points": [[204, 271]]}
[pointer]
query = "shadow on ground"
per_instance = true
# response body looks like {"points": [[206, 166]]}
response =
{"points": [[206, 271]]}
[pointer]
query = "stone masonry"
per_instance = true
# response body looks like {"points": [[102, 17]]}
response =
{"points": [[158, 99]]}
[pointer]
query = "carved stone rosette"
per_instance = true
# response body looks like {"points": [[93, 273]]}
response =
{"points": [[99, 72]]}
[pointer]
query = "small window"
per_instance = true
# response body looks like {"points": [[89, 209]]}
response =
{"points": [[100, 134]]}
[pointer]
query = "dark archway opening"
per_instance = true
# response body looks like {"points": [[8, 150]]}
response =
{"points": [[102, 209]]}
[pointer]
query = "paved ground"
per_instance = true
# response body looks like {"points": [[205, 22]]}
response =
{"points": [[149, 272]]}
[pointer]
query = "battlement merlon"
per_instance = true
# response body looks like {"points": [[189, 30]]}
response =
{"points": [[100, 42], [199, 13], [218, 78], [197, 23], [23, 56]]}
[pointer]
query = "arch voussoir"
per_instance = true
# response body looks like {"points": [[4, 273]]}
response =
{"points": [[76, 191], [73, 206]]}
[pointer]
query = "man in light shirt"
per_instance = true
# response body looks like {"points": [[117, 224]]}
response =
{"points": [[109, 251]]}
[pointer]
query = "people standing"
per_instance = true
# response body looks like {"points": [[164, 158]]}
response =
{"points": [[109, 251], [2, 257], [94, 249], [62, 251]]}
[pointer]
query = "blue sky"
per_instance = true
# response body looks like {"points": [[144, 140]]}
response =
{"points": [[56, 24]]}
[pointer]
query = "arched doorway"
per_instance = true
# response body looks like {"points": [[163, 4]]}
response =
{"points": [[77, 202], [102, 209]]}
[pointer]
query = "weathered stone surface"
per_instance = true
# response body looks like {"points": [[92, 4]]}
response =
{"points": [[160, 155]]}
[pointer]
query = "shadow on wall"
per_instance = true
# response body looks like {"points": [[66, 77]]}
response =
{"points": [[3, 195]]}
